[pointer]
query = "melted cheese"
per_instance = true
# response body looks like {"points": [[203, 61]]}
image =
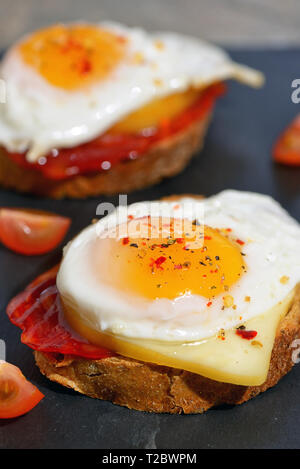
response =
{"points": [[232, 360]]}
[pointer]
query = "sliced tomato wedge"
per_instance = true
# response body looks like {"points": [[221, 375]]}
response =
{"points": [[287, 148], [17, 395], [31, 232]]}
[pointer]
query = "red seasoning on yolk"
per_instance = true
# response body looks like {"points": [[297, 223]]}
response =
{"points": [[72, 57], [200, 261]]}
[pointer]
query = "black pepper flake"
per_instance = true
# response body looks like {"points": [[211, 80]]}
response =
{"points": [[217, 258], [202, 263], [196, 222], [241, 328], [134, 245]]}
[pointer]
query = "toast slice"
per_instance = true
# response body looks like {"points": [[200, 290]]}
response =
{"points": [[165, 159], [153, 388]]}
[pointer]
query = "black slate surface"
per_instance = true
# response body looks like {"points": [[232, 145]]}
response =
{"points": [[236, 155]]}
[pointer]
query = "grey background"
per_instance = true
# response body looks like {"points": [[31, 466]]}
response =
{"points": [[231, 22]]}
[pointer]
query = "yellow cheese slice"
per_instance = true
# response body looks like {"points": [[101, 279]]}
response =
{"points": [[233, 360]]}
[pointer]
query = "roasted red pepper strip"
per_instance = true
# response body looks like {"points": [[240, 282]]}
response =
{"points": [[287, 148], [37, 311], [112, 149]]}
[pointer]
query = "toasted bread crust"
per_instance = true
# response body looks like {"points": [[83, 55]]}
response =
{"points": [[165, 159], [153, 388]]}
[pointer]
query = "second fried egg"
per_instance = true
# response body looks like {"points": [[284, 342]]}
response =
{"points": [[181, 271], [68, 84]]}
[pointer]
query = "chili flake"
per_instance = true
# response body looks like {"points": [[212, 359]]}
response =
{"points": [[157, 262], [85, 66], [244, 334]]}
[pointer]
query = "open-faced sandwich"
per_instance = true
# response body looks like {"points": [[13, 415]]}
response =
{"points": [[101, 108], [171, 306]]}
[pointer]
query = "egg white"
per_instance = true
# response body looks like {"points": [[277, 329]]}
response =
{"points": [[39, 117], [272, 250]]}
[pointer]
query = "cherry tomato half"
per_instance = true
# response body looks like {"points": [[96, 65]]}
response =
{"points": [[31, 232], [287, 148], [17, 395]]}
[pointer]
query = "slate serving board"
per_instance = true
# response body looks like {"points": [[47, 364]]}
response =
{"points": [[236, 155]]}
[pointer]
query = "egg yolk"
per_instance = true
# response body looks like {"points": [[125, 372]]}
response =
{"points": [[157, 112], [200, 260], [75, 56], [72, 57]]}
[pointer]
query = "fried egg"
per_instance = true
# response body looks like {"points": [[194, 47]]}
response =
{"points": [[181, 271], [68, 84]]}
